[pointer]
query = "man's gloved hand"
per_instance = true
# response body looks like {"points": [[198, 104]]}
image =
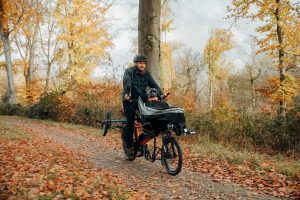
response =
{"points": [[127, 97], [165, 96]]}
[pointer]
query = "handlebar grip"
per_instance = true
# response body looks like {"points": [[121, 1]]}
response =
{"points": [[164, 96]]}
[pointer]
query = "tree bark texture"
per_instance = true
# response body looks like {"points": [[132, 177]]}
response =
{"points": [[282, 68], [149, 35], [4, 32]]}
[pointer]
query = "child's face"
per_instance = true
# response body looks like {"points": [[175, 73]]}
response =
{"points": [[153, 99]]}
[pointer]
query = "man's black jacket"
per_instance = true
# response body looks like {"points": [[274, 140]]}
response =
{"points": [[135, 83]]}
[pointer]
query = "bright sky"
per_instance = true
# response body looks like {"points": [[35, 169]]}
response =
{"points": [[194, 19]]}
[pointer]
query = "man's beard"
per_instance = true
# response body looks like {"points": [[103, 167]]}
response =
{"points": [[141, 71]]}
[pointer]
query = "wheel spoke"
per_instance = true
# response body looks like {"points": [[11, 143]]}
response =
{"points": [[174, 155]]}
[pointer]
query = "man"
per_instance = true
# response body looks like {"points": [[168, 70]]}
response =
{"points": [[135, 81]]}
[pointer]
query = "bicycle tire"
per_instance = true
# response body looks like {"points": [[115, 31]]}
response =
{"points": [[171, 151], [124, 147]]}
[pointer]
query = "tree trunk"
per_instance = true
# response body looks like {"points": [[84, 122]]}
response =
{"points": [[31, 59], [47, 77], [30, 70], [49, 61], [210, 83], [149, 34], [252, 94], [281, 66], [4, 32], [210, 93], [11, 92], [252, 79]]}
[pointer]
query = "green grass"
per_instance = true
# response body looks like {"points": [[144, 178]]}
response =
{"points": [[112, 133], [217, 151], [289, 168], [52, 196], [73, 127], [67, 126], [9, 132], [117, 192]]}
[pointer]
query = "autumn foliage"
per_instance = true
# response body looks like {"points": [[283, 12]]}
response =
{"points": [[276, 91], [255, 110], [251, 130], [36, 168], [83, 105]]}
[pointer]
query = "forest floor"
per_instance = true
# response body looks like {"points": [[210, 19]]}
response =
{"points": [[48, 160]]}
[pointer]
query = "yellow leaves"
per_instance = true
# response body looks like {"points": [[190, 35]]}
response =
{"points": [[219, 42], [279, 35], [277, 90], [287, 89], [186, 101], [6, 11], [17, 13], [167, 69], [166, 26], [166, 14], [274, 15], [84, 34]]}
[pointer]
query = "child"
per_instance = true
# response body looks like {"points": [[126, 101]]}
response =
{"points": [[154, 102]]}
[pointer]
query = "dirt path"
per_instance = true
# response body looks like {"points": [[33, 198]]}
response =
{"points": [[106, 153]]}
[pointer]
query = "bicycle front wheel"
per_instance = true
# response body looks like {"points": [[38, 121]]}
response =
{"points": [[172, 156]]}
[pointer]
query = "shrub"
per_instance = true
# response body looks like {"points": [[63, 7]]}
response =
{"points": [[216, 123], [47, 107], [12, 109], [86, 115], [249, 129], [285, 131], [92, 102]]}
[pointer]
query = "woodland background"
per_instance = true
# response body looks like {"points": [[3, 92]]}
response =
{"points": [[60, 42]]}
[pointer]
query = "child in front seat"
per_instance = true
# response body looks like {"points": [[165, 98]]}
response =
{"points": [[154, 102]]}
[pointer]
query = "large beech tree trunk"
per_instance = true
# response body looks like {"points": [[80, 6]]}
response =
{"points": [[149, 34]]}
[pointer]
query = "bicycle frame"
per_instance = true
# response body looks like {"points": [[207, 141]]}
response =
{"points": [[167, 153], [137, 128]]}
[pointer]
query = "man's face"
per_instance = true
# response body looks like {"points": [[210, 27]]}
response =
{"points": [[141, 65]]}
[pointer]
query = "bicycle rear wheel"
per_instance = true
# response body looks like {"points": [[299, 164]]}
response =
{"points": [[172, 156]]}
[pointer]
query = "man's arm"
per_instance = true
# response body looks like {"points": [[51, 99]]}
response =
{"points": [[127, 82]]}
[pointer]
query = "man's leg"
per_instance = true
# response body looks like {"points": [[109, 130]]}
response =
{"points": [[129, 111]]}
